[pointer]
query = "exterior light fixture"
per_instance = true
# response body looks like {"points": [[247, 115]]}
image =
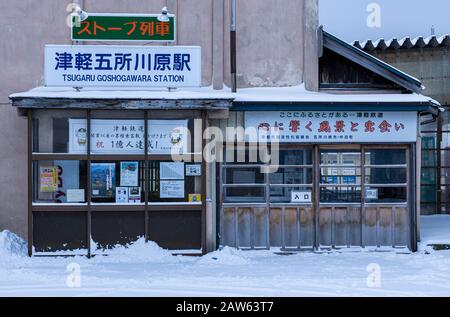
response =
{"points": [[164, 16], [83, 15], [79, 16]]}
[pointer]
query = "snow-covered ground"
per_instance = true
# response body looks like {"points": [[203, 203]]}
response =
{"points": [[147, 270]]}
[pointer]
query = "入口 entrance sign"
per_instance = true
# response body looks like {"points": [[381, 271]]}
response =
{"points": [[124, 27], [122, 66], [332, 126]]}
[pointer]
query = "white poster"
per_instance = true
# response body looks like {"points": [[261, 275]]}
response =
{"points": [[121, 195], [167, 136], [122, 66], [75, 196], [332, 126], [127, 136], [171, 170], [129, 173], [171, 189]]}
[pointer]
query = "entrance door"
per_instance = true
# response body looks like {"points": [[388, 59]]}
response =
{"points": [[340, 185], [363, 197]]}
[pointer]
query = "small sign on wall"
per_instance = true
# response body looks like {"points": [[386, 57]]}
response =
{"points": [[193, 170], [371, 193], [300, 197]]}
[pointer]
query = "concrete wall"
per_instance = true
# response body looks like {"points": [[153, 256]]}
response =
{"points": [[277, 46], [430, 65]]}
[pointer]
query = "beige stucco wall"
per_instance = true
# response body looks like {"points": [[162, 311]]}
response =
{"points": [[277, 46]]}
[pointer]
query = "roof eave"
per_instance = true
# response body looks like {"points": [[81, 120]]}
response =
{"points": [[368, 61]]}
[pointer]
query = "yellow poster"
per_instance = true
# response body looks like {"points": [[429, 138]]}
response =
{"points": [[195, 198], [48, 177]]}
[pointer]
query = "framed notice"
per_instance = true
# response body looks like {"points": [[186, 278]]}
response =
{"points": [[134, 195], [193, 170], [75, 196], [171, 170], [171, 189], [129, 173]]}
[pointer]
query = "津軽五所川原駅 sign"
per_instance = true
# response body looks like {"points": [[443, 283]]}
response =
{"points": [[124, 27], [122, 66]]}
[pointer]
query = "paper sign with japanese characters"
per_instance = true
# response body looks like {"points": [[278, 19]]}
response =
{"points": [[331, 126], [122, 66], [127, 136]]}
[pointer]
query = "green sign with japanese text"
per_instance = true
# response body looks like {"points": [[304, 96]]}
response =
{"points": [[119, 27]]}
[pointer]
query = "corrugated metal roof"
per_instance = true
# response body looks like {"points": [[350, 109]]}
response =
{"points": [[404, 43]]}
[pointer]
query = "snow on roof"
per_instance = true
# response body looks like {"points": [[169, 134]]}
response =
{"points": [[260, 94], [404, 43], [299, 94], [123, 93]]}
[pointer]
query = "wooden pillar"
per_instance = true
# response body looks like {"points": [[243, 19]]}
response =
{"points": [[30, 180]]}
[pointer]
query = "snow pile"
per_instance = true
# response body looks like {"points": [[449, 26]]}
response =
{"points": [[11, 244], [138, 251], [225, 256], [434, 231]]}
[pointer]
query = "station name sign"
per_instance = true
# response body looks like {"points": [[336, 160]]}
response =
{"points": [[332, 126], [124, 27], [122, 66]]}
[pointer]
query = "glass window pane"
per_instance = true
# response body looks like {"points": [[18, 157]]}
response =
{"points": [[345, 157], [244, 175], [385, 194], [280, 194], [385, 175], [291, 175], [55, 131], [295, 157], [244, 194], [59, 181], [118, 182], [340, 175], [385, 156], [350, 194], [169, 182]]}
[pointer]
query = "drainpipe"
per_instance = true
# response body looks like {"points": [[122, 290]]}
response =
{"points": [[233, 45]]}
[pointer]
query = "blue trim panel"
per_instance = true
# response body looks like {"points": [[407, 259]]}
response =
{"points": [[274, 106]]}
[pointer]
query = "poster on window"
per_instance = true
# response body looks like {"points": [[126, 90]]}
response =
{"points": [[331, 126], [121, 195], [129, 174], [103, 180], [69, 190], [127, 136], [167, 136], [48, 179], [171, 189], [171, 170]]}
